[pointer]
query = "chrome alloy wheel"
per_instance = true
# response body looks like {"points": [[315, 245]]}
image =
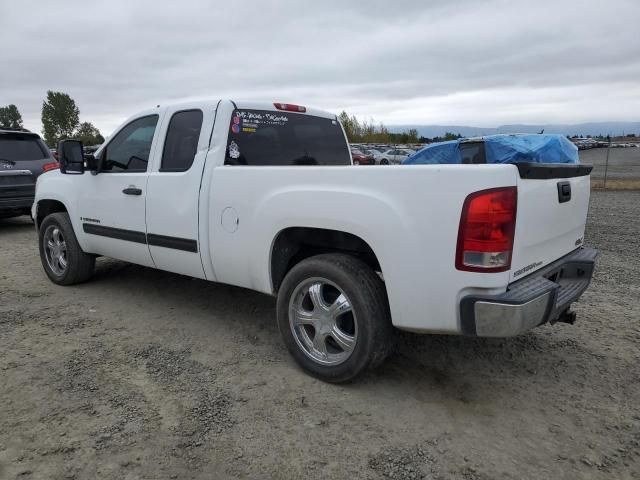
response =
{"points": [[322, 321], [55, 250]]}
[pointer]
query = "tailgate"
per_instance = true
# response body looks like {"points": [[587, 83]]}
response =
{"points": [[553, 201]]}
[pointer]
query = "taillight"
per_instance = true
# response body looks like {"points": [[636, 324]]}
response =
{"points": [[290, 108], [50, 166], [487, 227]]}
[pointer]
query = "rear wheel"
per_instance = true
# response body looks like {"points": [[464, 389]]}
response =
{"points": [[63, 260], [334, 317], [384, 161]]}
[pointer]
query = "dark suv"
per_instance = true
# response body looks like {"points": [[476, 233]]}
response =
{"points": [[23, 157]]}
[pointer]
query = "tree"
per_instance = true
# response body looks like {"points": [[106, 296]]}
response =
{"points": [[60, 117], [88, 134], [345, 120], [369, 132], [10, 117], [452, 136]]}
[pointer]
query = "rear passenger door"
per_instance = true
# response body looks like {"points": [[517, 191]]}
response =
{"points": [[173, 190]]}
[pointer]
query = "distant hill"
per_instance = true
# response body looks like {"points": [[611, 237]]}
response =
{"points": [[581, 129]]}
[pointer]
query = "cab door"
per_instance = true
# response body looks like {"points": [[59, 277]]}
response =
{"points": [[112, 201], [174, 189]]}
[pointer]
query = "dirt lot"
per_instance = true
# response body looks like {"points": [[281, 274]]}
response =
{"points": [[145, 374]]}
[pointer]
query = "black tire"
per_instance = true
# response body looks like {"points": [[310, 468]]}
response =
{"points": [[367, 296], [384, 161], [79, 265]]}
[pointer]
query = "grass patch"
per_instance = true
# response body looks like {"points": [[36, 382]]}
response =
{"points": [[616, 184]]}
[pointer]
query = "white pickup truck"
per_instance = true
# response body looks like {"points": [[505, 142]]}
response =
{"points": [[265, 196]]}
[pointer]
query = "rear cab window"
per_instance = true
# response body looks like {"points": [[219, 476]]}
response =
{"points": [[472, 152], [263, 138], [20, 147]]}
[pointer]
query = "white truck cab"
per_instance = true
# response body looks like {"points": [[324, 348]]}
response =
{"points": [[264, 196]]}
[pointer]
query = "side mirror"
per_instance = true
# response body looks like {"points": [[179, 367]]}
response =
{"points": [[71, 156]]}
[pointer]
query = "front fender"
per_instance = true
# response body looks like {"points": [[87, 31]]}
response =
{"points": [[56, 186]]}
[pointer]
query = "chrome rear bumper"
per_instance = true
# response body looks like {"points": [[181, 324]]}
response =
{"points": [[544, 296]]}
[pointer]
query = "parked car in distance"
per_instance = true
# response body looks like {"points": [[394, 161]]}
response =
{"points": [[264, 196], [23, 157], [374, 152], [394, 156], [361, 158]]}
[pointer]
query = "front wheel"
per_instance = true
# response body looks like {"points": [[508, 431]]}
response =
{"points": [[384, 161], [63, 260], [334, 317]]}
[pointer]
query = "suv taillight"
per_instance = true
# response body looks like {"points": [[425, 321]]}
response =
{"points": [[50, 166], [487, 227]]}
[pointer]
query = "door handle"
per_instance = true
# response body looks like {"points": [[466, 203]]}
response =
{"points": [[564, 192], [132, 191]]}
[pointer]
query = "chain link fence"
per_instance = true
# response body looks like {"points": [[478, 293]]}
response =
{"points": [[622, 171]]}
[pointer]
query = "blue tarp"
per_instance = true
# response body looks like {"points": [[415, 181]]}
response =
{"points": [[538, 148]]}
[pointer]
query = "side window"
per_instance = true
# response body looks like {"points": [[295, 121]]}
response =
{"points": [[129, 150], [182, 141]]}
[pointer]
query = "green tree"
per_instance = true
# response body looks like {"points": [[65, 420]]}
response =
{"points": [[452, 136], [345, 120], [383, 135], [10, 117], [88, 134], [369, 132], [60, 117]]}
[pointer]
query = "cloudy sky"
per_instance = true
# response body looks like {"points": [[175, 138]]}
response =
{"points": [[465, 62]]}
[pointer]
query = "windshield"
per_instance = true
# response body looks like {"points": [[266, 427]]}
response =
{"points": [[17, 148], [261, 137]]}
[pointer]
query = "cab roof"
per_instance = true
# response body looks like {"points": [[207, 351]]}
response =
{"points": [[244, 105]]}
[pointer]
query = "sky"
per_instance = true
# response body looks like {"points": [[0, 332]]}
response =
{"points": [[453, 62]]}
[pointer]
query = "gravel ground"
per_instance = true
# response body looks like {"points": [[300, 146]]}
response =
{"points": [[145, 374]]}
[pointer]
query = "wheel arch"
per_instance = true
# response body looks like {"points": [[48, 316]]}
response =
{"points": [[46, 207], [291, 245]]}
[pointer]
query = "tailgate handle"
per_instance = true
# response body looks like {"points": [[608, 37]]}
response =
{"points": [[564, 192]]}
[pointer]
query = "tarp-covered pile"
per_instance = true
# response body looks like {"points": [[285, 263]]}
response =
{"points": [[521, 148]]}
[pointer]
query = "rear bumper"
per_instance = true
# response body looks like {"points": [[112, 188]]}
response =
{"points": [[18, 203], [17, 190], [544, 296]]}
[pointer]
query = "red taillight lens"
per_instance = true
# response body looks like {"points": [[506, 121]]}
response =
{"points": [[290, 108], [487, 227], [50, 166]]}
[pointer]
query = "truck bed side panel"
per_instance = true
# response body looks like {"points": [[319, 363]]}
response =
{"points": [[409, 216]]}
